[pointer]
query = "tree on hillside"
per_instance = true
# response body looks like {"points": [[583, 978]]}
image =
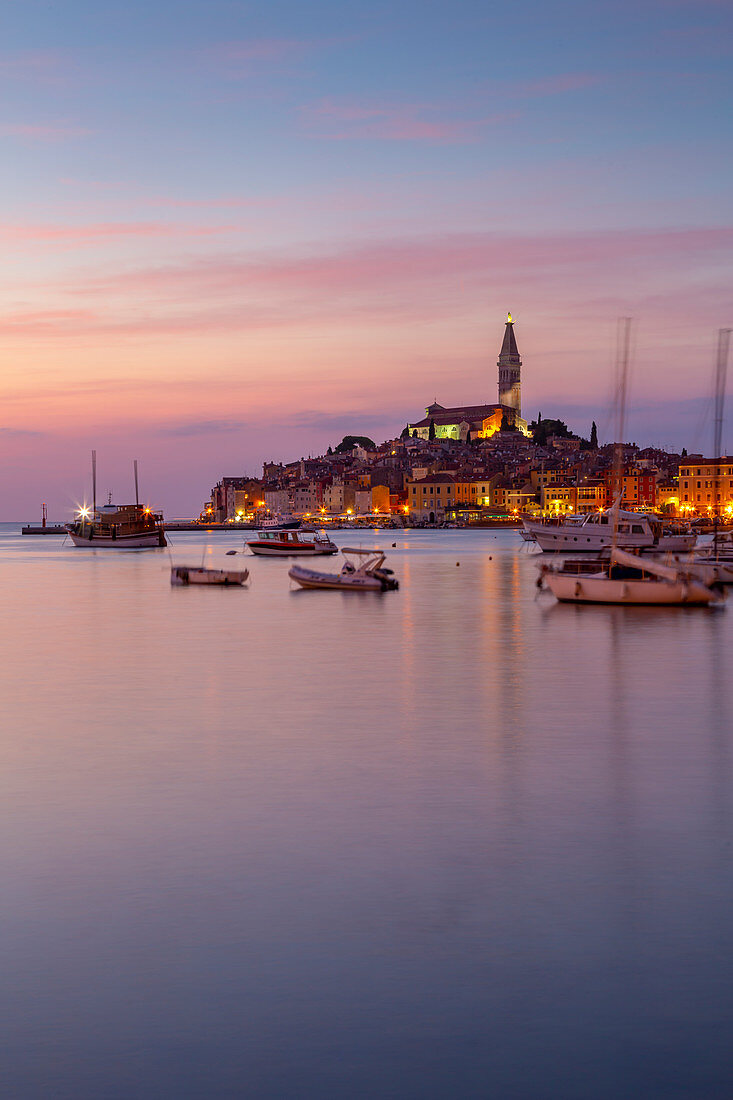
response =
{"points": [[594, 436], [431, 430], [350, 441], [542, 430]]}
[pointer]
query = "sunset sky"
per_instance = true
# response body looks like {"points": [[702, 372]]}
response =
{"points": [[237, 231]]}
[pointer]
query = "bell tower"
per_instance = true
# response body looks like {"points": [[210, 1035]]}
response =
{"points": [[510, 370]]}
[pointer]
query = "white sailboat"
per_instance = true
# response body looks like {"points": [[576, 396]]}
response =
{"points": [[624, 578], [627, 579]]}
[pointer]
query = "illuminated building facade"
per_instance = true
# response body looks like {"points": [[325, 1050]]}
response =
{"points": [[706, 485], [480, 421]]}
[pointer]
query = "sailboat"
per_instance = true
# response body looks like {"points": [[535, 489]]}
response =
{"points": [[116, 527], [621, 577]]}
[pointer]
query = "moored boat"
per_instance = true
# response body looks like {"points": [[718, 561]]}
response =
{"points": [[194, 574], [623, 578], [366, 573], [116, 527], [595, 531], [282, 542]]}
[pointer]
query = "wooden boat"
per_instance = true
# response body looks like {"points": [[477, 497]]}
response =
{"points": [[623, 578], [366, 573], [282, 542], [195, 574], [116, 527]]}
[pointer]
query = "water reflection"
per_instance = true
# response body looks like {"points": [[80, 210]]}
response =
{"points": [[260, 845]]}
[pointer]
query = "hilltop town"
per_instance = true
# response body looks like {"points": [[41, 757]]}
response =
{"points": [[476, 464]]}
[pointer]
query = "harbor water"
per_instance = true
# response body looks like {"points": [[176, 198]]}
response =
{"points": [[453, 841]]}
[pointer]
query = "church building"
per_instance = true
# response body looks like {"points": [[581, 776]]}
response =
{"points": [[481, 421]]}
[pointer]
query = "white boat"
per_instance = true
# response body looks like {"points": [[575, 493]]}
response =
{"points": [[595, 531], [713, 563], [195, 574], [282, 521], [623, 578], [278, 542], [366, 573]]}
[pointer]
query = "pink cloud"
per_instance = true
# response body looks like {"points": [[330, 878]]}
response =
{"points": [[349, 121], [43, 131], [78, 234], [264, 49], [556, 85], [46, 66], [421, 282]]}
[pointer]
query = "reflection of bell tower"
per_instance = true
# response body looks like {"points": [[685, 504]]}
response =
{"points": [[510, 370]]}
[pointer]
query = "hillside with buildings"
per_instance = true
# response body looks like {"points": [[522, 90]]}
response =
{"points": [[474, 464]]}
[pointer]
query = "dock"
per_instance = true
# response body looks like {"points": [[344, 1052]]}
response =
{"points": [[43, 529]]}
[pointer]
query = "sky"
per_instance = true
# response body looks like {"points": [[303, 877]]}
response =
{"points": [[235, 232]]}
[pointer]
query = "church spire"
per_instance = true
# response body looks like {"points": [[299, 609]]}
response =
{"points": [[510, 370], [509, 347]]}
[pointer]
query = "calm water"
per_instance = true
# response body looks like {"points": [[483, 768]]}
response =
{"points": [[451, 841]]}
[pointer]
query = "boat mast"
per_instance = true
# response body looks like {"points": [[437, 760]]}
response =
{"points": [[721, 371], [94, 485], [623, 343], [137, 498]]}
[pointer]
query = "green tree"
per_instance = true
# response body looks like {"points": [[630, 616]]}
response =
{"points": [[350, 441]]}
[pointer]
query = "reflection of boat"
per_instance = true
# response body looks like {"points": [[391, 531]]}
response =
{"points": [[287, 543], [623, 578], [594, 531], [116, 527], [194, 574], [365, 574]]}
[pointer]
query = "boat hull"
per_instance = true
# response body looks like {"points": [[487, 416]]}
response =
{"points": [[267, 550], [309, 578], [225, 578], [146, 541], [602, 590]]}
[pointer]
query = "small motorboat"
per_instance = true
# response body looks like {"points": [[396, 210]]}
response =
{"points": [[365, 573], [285, 542], [196, 574], [623, 578]]}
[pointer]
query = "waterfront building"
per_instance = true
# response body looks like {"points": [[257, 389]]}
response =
{"points": [[706, 485], [639, 487], [586, 497], [233, 496]]}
